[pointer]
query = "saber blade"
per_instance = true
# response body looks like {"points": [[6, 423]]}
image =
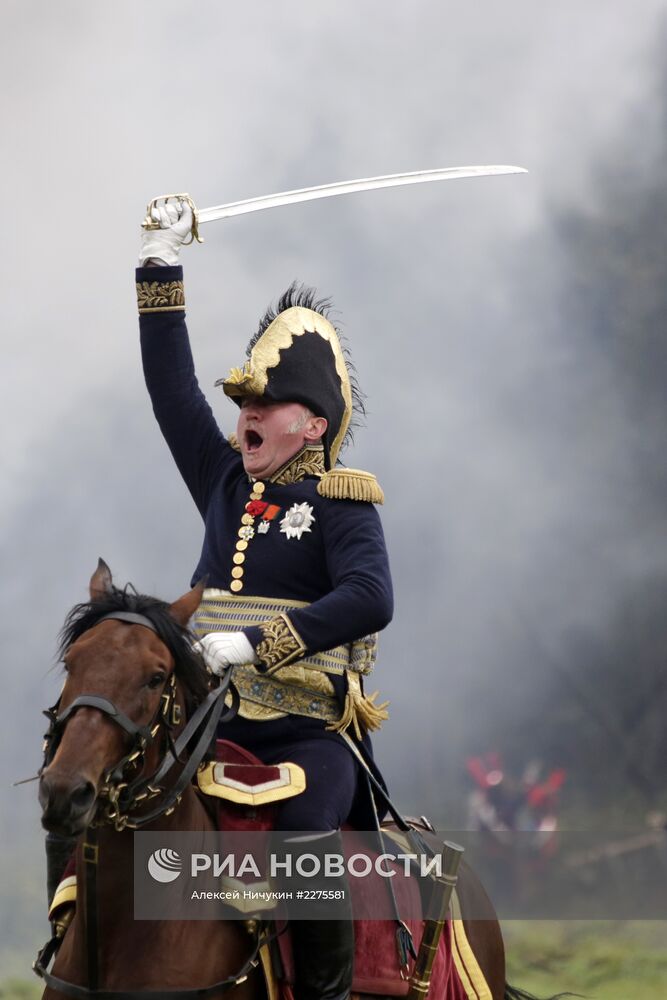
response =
{"points": [[348, 187]]}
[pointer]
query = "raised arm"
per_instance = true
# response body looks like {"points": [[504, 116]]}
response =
{"points": [[185, 417]]}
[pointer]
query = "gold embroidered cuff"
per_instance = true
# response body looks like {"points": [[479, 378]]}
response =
{"points": [[160, 296], [281, 644]]}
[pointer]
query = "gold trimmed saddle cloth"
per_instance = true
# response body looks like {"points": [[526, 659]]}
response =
{"points": [[302, 687]]}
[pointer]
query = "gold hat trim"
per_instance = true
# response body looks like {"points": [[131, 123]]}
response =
{"points": [[252, 379]]}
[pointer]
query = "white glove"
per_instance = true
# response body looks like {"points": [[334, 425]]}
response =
{"points": [[225, 649], [163, 244]]}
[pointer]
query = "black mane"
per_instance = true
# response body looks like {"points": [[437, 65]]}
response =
{"points": [[189, 667]]}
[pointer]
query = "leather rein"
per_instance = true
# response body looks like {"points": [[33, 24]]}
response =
{"points": [[123, 795]]}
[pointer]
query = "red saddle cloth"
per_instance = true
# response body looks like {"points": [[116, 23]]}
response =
{"points": [[246, 778], [376, 968], [376, 964]]}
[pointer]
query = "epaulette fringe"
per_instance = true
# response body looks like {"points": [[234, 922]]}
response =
{"points": [[350, 484], [233, 441]]}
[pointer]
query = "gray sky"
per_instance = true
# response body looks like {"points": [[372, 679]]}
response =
{"points": [[506, 501]]}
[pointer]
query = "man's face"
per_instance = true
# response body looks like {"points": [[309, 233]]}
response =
{"points": [[269, 434]]}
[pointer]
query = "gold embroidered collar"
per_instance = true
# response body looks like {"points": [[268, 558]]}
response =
{"points": [[307, 462]]}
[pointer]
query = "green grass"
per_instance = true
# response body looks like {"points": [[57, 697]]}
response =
{"points": [[604, 960], [21, 989]]}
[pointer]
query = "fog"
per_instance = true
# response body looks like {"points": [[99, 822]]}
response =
{"points": [[499, 424]]}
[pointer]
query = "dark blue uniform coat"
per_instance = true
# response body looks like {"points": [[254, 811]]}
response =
{"points": [[339, 567]]}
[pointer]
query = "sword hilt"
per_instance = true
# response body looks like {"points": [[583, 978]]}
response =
{"points": [[149, 222]]}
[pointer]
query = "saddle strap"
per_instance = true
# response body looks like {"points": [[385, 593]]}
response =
{"points": [[82, 993], [90, 859], [404, 941], [398, 818]]}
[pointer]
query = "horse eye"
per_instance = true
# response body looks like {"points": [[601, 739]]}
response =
{"points": [[156, 681]]}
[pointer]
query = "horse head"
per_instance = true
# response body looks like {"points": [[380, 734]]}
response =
{"points": [[131, 678]]}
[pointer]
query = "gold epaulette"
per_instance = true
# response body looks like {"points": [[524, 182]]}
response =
{"points": [[350, 484], [233, 441]]}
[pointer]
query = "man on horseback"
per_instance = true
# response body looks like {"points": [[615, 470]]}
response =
{"points": [[293, 553]]}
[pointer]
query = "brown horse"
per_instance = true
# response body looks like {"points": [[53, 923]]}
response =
{"points": [[132, 681], [129, 665]]}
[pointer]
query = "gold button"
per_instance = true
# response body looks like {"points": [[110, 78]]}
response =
{"points": [[238, 558], [236, 585], [258, 487], [237, 572], [241, 545], [247, 519]]}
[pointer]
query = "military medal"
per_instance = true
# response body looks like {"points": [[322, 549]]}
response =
{"points": [[297, 520], [268, 515]]}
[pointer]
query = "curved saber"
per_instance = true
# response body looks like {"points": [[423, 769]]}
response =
{"points": [[348, 187], [326, 191]]}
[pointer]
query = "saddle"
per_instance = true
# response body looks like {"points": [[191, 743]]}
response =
{"points": [[244, 794]]}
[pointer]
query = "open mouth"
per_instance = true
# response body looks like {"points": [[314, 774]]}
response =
{"points": [[253, 441]]}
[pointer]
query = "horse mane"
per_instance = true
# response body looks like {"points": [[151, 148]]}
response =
{"points": [[189, 666]]}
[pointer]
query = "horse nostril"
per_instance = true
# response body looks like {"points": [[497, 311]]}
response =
{"points": [[83, 796]]}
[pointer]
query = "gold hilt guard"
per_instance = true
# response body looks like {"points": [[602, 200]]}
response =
{"points": [[149, 223]]}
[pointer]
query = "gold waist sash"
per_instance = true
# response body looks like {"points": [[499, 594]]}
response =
{"points": [[223, 612], [300, 688]]}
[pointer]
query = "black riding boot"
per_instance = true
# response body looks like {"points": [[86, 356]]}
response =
{"points": [[323, 942], [58, 852], [323, 958]]}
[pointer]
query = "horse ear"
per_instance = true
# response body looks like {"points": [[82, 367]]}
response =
{"points": [[183, 609], [100, 582]]}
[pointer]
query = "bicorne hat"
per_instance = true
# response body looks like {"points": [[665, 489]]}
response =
{"points": [[296, 357]]}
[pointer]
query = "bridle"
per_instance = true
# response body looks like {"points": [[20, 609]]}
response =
{"points": [[123, 792], [123, 789]]}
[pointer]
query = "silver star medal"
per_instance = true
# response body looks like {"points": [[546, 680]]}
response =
{"points": [[297, 520]]}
